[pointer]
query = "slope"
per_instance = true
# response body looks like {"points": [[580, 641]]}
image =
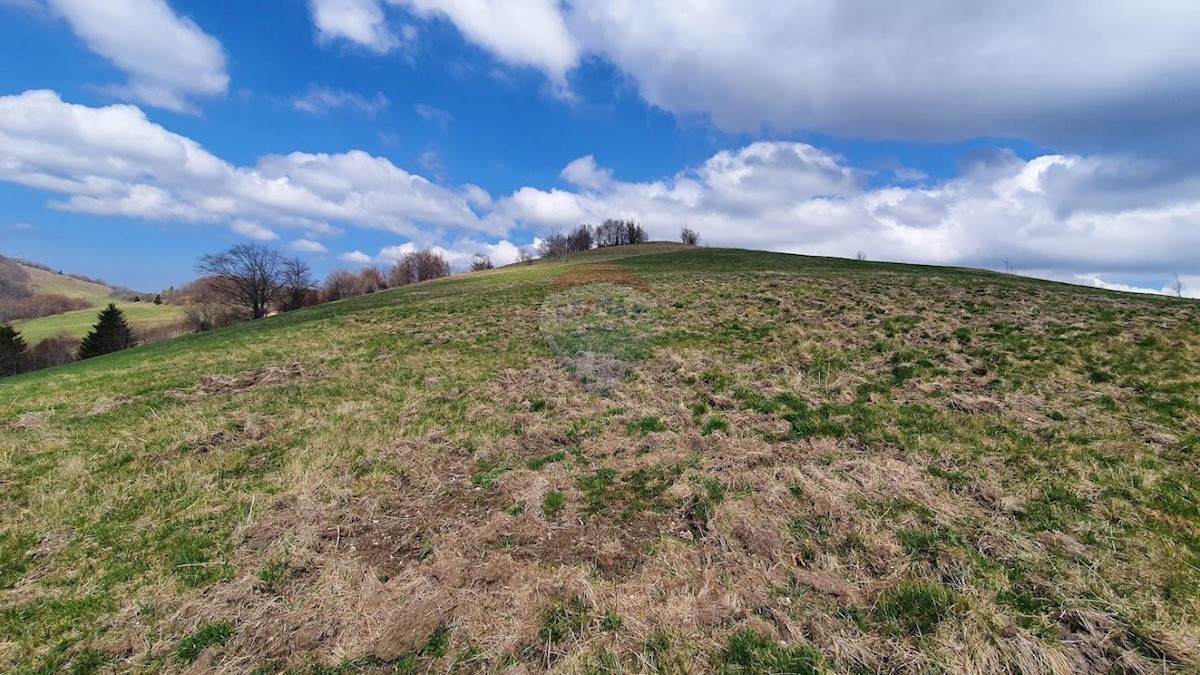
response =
{"points": [[78, 323], [679, 461]]}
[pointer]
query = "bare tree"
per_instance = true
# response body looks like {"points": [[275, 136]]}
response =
{"points": [[620, 233], [418, 266], [554, 244], [481, 262], [689, 236], [860, 256], [297, 281], [249, 275], [1176, 285], [1007, 262], [581, 238], [341, 284], [373, 279], [525, 256]]}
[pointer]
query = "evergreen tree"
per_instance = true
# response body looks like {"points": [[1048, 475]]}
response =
{"points": [[110, 334], [12, 350], [158, 299]]}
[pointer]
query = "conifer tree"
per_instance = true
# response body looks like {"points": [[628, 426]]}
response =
{"points": [[110, 334], [12, 350]]}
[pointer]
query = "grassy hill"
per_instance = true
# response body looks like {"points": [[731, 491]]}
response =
{"points": [[78, 323], [644, 460]]}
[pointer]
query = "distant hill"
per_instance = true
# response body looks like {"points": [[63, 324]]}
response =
{"points": [[634, 460], [89, 297]]}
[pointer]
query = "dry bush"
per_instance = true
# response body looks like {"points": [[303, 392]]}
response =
{"points": [[525, 256], [372, 280], [150, 334], [419, 266], [13, 281], [37, 306], [53, 351], [341, 284], [689, 236], [481, 262]]}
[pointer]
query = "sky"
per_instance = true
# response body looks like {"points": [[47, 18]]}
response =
{"points": [[1056, 139]]}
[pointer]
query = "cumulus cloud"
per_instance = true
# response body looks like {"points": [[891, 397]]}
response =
{"points": [[796, 198], [361, 22], [308, 246], [356, 257], [253, 230], [170, 61], [1057, 213], [114, 161], [319, 100], [458, 253], [923, 69]]}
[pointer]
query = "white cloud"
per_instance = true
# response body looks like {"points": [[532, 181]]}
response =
{"points": [[922, 69], [519, 32], [794, 197], [308, 246], [356, 257], [113, 161], [21, 227], [584, 173], [1106, 216], [359, 21], [319, 100], [458, 253], [433, 114], [252, 230], [168, 58]]}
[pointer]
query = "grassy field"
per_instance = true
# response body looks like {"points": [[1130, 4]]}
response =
{"points": [[693, 460], [78, 323]]}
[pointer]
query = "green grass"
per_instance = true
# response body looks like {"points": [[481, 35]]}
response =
{"points": [[78, 323], [1029, 445]]}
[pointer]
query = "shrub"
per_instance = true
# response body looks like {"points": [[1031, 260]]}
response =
{"points": [[481, 262], [341, 284], [689, 236], [12, 351], [13, 280], [372, 280], [110, 334], [52, 351], [526, 256], [37, 306], [417, 266]]}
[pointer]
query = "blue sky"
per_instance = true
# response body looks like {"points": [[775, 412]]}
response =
{"points": [[137, 134]]}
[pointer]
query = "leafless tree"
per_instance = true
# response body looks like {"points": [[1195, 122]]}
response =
{"points": [[297, 281], [581, 238], [1007, 262], [341, 284], [1176, 285], [525, 256], [419, 266], [620, 233], [860, 256], [554, 244], [249, 275], [481, 262], [373, 279], [689, 236]]}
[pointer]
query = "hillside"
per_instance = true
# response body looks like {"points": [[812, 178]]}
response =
{"points": [[651, 459], [78, 323]]}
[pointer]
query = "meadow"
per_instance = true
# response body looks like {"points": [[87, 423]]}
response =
{"points": [[648, 459]]}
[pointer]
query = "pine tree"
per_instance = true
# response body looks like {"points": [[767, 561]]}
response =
{"points": [[12, 349], [110, 334], [158, 299]]}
